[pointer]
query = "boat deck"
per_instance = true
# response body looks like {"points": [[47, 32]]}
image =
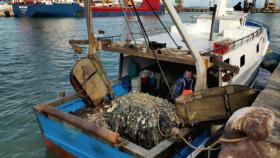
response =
{"points": [[201, 40]]}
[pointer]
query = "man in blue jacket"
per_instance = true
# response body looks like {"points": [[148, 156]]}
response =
{"points": [[185, 84]]}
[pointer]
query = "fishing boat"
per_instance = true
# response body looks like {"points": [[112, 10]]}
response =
{"points": [[75, 9], [231, 36], [71, 135]]}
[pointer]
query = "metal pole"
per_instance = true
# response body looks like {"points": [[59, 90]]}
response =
{"points": [[92, 48], [199, 63], [213, 22]]}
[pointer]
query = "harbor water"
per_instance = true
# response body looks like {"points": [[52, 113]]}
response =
{"points": [[35, 61]]}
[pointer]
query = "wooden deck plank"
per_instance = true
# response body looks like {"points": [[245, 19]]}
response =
{"points": [[182, 59]]}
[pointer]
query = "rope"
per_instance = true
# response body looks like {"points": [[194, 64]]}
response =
{"points": [[148, 40], [163, 24], [158, 123], [108, 85], [223, 139], [176, 132]]}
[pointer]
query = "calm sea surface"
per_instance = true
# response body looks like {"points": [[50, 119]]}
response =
{"points": [[35, 61]]}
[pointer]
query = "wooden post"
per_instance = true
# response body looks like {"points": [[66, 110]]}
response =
{"points": [[92, 49]]}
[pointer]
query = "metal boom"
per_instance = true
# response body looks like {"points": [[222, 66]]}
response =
{"points": [[199, 63]]}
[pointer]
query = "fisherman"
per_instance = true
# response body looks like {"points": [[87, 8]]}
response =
{"points": [[185, 84]]}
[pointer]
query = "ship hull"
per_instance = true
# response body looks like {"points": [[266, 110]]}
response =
{"points": [[120, 13], [51, 10], [76, 10], [78, 140], [117, 11]]}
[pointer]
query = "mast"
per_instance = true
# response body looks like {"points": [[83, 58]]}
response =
{"points": [[212, 23], [199, 63], [92, 49]]}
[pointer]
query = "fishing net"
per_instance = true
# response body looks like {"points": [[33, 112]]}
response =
{"points": [[141, 118]]}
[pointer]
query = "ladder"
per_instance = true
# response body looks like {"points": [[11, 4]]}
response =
{"points": [[132, 21]]}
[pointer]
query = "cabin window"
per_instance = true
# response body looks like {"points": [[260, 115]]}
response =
{"points": [[242, 60], [258, 48], [227, 61]]}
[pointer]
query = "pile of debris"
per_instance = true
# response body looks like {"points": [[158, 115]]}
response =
{"points": [[141, 118]]}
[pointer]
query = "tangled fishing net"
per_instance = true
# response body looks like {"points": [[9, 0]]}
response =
{"points": [[141, 118]]}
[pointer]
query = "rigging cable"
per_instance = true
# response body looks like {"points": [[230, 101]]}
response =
{"points": [[163, 25], [148, 40]]}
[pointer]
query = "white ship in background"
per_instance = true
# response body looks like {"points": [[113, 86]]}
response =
{"points": [[235, 40]]}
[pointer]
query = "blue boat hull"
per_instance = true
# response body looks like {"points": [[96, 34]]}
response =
{"points": [[44, 10], [73, 141]]}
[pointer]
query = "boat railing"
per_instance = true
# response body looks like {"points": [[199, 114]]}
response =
{"points": [[257, 23], [250, 22], [237, 43]]}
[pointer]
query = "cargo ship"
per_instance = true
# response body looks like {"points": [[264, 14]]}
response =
{"points": [[47, 9], [120, 7], [76, 9]]}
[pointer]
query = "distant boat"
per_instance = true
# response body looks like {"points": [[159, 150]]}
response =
{"points": [[145, 7], [74, 9], [47, 9]]}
